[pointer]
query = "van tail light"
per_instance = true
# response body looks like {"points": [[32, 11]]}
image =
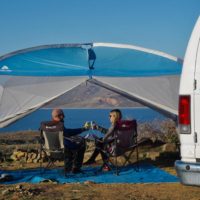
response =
{"points": [[184, 114]]}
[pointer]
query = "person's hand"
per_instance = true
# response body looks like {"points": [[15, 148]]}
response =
{"points": [[93, 125], [87, 125], [90, 125]]}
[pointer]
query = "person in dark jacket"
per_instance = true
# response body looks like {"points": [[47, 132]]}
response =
{"points": [[74, 144]]}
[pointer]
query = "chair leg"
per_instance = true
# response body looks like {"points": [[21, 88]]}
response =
{"points": [[127, 157], [40, 158], [42, 151], [65, 162], [137, 152], [116, 166], [50, 163]]}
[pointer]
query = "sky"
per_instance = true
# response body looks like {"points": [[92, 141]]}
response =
{"points": [[163, 25]]}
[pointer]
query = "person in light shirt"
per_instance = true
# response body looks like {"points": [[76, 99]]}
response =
{"points": [[114, 116]]}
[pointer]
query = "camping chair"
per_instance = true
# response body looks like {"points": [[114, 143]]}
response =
{"points": [[124, 144], [52, 142]]}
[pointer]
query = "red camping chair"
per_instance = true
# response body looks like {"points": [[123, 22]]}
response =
{"points": [[124, 144]]}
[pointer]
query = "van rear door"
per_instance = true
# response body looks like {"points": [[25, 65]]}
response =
{"points": [[197, 91], [189, 100]]}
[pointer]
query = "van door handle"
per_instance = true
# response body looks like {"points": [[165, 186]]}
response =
{"points": [[195, 137]]}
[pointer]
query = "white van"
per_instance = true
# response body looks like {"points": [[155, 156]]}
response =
{"points": [[188, 169]]}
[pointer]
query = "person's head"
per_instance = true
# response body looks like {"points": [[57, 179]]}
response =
{"points": [[115, 115], [58, 115]]}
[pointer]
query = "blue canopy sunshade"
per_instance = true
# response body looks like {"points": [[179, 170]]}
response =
{"points": [[31, 78]]}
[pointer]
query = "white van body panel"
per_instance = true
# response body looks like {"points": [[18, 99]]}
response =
{"points": [[187, 87], [197, 99], [197, 125], [188, 169]]}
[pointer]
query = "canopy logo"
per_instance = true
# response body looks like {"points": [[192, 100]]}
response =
{"points": [[5, 69]]}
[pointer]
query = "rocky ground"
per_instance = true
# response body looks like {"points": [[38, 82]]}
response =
{"points": [[88, 191], [159, 150]]}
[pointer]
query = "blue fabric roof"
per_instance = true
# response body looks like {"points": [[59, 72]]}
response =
{"points": [[74, 61], [70, 61], [128, 62]]}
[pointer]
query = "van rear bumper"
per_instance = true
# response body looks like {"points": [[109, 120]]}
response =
{"points": [[188, 173]]}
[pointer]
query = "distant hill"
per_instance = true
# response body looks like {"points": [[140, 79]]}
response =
{"points": [[91, 96]]}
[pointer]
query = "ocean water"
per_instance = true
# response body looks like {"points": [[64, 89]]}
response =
{"points": [[75, 118]]}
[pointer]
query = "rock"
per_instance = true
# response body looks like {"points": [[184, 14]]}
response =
{"points": [[18, 187], [13, 157], [6, 177], [152, 155], [5, 192], [29, 157], [36, 160], [89, 182], [19, 154], [169, 147], [14, 152], [29, 160], [33, 155]]}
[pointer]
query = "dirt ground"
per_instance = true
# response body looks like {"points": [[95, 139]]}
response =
{"points": [[89, 190]]}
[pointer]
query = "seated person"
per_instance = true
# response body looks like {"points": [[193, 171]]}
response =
{"points": [[115, 115], [74, 145]]}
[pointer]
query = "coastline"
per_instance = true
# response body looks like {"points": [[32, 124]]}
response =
{"points": [[77, 117]]}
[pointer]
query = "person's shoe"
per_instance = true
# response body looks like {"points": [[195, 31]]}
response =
{"points": [[106, 168], [89, 162], [76, 171]]}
